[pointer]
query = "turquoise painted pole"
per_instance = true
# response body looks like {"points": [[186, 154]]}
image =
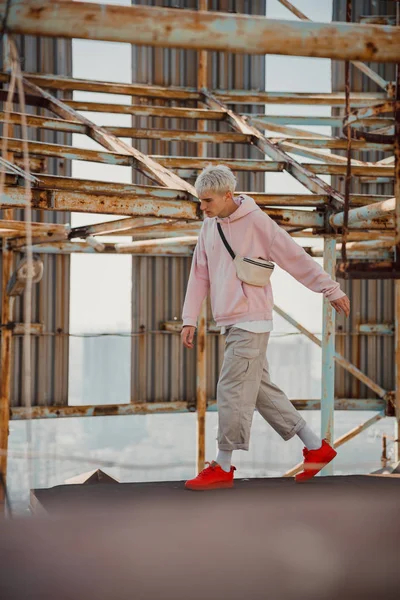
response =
{"points": [[328, 354]]}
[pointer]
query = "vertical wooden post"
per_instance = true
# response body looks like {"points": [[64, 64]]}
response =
{"points": [[201, 365], [6, 317], [328, 354], [397, 281], [5, 364]]}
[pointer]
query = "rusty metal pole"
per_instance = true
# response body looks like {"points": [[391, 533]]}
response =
{"points": [[201, 364], [7, 303], [5, 365], [328, 354], [397, 281]]}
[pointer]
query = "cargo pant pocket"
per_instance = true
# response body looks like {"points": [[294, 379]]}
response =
{"points": [[242, 363]]}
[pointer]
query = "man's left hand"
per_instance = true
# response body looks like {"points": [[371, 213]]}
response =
{"points": [[342, 305]]}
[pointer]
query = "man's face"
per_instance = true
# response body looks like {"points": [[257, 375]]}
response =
{"points": [[215, 204]]}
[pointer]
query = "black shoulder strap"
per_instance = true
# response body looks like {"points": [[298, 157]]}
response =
{"points": [[227, 246]]}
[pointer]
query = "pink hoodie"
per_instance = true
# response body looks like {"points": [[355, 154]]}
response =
{"points": [[250, 232]]}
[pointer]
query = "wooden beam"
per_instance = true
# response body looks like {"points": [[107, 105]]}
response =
{"points": [[60, 82], [201, 30], [138, 110], [297, 170], [145, 164]]}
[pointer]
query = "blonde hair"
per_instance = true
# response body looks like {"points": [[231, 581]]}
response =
{"points": [[215, 179]]}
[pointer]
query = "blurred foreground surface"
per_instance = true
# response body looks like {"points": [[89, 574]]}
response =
{"points": [[333, 537]]}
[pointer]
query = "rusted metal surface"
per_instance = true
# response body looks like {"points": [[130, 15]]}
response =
{"points": [[5, 365], [170, 28], [167, 243], [376, 328], [125, 204], [396, 107], [103, 204], [308, 179], [72, 153], [188, 136], [18, 227], [229, 96], [347, 181], [314, 120], [201, 338], [324, 99], [338, 168], [195, 162], [328, 354], [57, 82], [285, 130], [120, 226], [368, 254], [368, 270], [382, 223], [44, 238], [49, 182], [51, 123], [330, 143], [33, 328], [154, 249], [361, 116], [358, 215], [19, 413], [150, 111], [106, 139]]}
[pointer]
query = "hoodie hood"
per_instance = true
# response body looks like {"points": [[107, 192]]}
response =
{"points": [[246, 205]]}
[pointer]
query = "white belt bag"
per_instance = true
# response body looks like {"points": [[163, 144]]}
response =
{"points": [[254, 271]]}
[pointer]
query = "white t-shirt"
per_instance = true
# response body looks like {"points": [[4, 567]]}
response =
{"points": [[253, 326]]}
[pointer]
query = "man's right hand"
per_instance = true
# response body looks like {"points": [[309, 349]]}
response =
{"points": [[187, 335]]}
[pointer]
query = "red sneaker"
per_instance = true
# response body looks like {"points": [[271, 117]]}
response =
{"points": [[211, 478], [315, 460]]}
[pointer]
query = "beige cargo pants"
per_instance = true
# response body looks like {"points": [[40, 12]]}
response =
{"points": [[244, 384]]}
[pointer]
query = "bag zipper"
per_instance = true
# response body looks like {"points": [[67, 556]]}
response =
{"points": [[256, 263]]}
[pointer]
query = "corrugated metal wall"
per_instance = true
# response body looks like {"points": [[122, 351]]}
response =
{"points": [[51, 295], [162, 369], [372, 300]]}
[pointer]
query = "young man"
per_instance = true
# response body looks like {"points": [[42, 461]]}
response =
{"points": [[244, 312]]}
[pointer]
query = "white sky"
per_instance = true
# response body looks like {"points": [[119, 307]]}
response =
{"points": [[101, 285]]}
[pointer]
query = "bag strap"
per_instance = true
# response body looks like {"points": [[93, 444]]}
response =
{"points": [[227, 246]]}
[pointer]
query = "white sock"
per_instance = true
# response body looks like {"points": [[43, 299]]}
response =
{"points": [[309, 438], [224, 458]]}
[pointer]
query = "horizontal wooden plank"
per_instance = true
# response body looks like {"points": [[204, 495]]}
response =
{"points": [[204, 30]]}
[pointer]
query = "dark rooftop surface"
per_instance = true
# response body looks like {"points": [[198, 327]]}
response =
{"points": [[67, 498]]}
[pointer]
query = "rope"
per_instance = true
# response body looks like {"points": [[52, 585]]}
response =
{"points": [[4, 24]]}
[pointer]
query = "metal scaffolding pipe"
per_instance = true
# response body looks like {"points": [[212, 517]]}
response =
{"points": [[201, 345], [343, 362], [396, 105], [328, 354], [5, 366], [171, 28], [20, 413]]}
